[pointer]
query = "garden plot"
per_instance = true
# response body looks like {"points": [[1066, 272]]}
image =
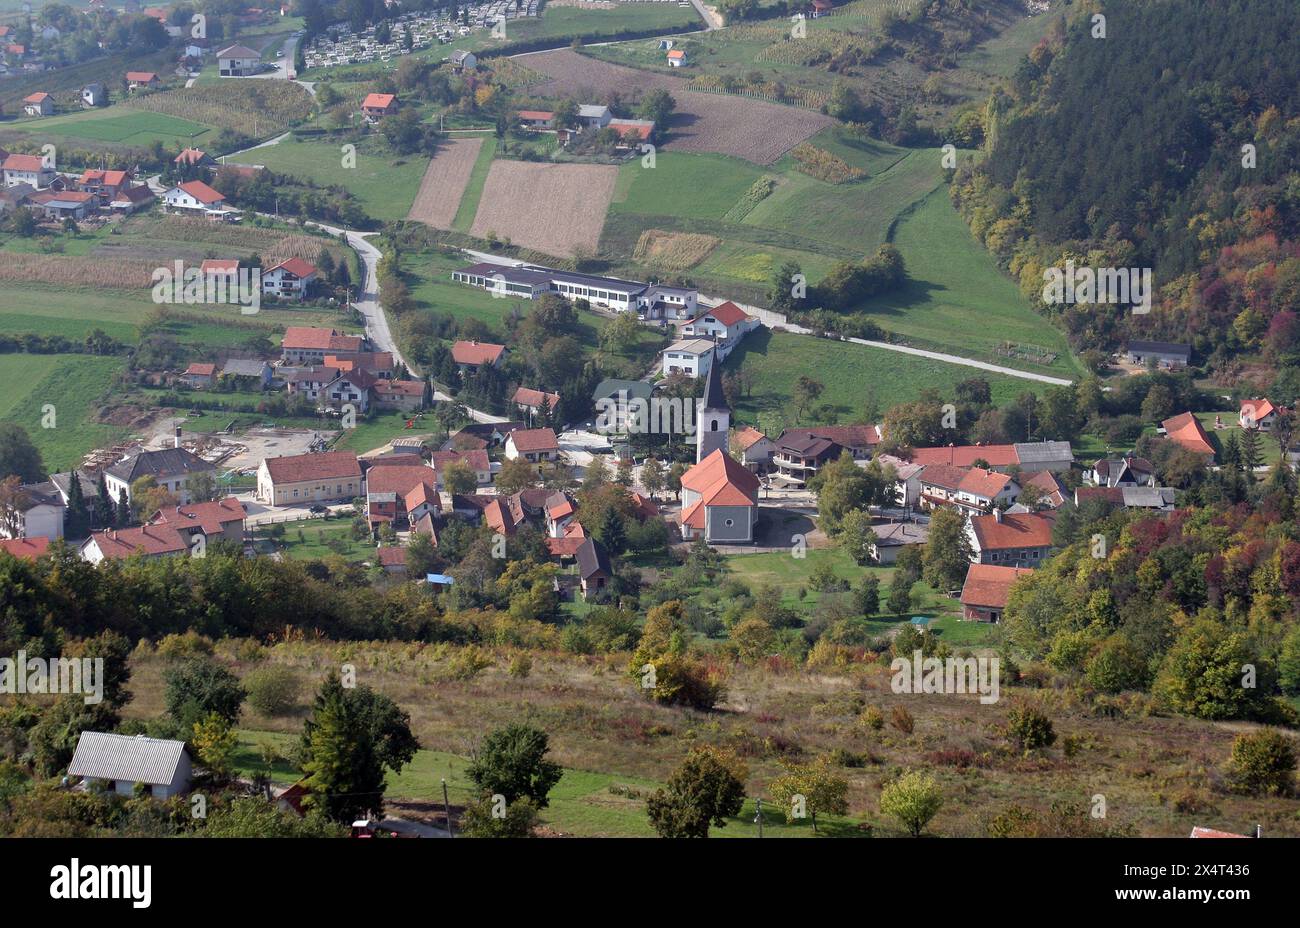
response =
{"points": [[555, 208], [444, 183]]}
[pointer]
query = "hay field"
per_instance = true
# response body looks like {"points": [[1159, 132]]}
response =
{"points": [[555, 208], [444, 182]]}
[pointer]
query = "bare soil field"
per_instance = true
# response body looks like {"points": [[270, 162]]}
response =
{"points": [[726, 124], [565, 205], [444, 182]]}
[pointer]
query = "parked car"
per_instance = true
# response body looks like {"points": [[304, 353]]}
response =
{"points": [[318, 509]]}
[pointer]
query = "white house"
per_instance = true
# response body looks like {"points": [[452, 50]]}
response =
{"points": [[119, 762], [39, 514], [463, 61], [289, 280], [171, 469], [1257, 414], [38, 104], [726, 322], [238, 61], [689, 356], [27, 169], [93, 95], [197, 197], [532, 445], [594, 116]]}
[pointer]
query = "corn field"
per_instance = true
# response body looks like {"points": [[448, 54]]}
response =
{"points": [[69, 271], [821, 164], [674, 251]]}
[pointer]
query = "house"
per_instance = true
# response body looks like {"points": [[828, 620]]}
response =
{"points": [[421, 502], [218, 520], [859, 440], [1052, 492], [463, 61], [171, 469], [480, 435], [406, 395], [689, 356], [530, 401], [392, 560], [389, 486], [289, 280], [536, 119], [248, 369], [719, 501], [40, 512], [973, 491], [676, 58], [93, 95], [146, 541], [617, 401], [1028, 456], [1129, 497], [195, 157], [893, 537], [307, 345], [594, 571], [1163, 354], [327, 476], [63, 204], [1033, 456], [27, 169], [798, 454], [725, 323], [533, 445], [1199, 832], [38, 104], [986, 590], [560, 513], [137, 79], [593, 116], [13, 197], [28, 549], [130, 199], [821, 6], [1128, 471], [754, 448], [1258, 414], [632, 132], [1011, 539], [199, 375], [105, 185], [472, 354], [119, 762], [475, 459], [195, 196], [660, 302], [1186, 430], [378, 105], [238, 61], [348, 389], [907, 480]]}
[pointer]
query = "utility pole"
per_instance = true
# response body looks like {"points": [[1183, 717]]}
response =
{"points": [[446, 804], [758, 817]]}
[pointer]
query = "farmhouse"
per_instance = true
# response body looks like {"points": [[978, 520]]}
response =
{"points": [[689, 356], [38, 104], [199, 375], [27, 169], [1011, 540], [406, 395], [536, 119], [726, 322], [171, 469], [130, 199], [238, 61], [533, 445], [307, 345], [719, 501], [220, 520], [1258, 414], [378, 105], [1128, 497], [973, 491], [289, 280], [986, 590], [121, 761], [196, 197], [632, 132], [472, 354], [594, 571], [593, 116], [147, 541], [105, 185], [196, 158], [250, 369], [1186, 430], [93, 95], [328, 476], [138, 79], [65, 204], [531, 401], [39, 512], [1163, 354]]}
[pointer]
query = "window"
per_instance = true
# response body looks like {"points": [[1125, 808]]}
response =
{"points": [[730, 522], [713, 425]]}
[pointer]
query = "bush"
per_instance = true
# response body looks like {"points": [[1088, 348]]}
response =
{"points": [[1029, 729], [273, 691], [1263, 762]]}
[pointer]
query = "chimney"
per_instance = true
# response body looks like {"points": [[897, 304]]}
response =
{"points": [[1259, 831], [997, 514], [178, 437]]}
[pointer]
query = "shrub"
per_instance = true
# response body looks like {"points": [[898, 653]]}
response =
{"points": [[1263, 762], [1029, 729], [913, 799], [901, 719], [273, 691]]}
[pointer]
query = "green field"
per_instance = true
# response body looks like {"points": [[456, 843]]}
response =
{"points": [[316, 535], [384, 185], [697, 186], [852, 375], [119, 126], [473, 192], [72, 387]]}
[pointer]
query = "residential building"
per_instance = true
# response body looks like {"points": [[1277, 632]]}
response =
{"points": [[306, 345], [119, 762], [1129, 497], [289, 280], [1258, 414], [171, 469], [530, 401], [893, 537], [238, 61], [136, 80], [907, 480], [93, 95], [1163, 354], [1011, 539], [594, 570], [378, 105], [29, 549], [1052, 491], [986, 590], [689, 356], [617, 402], [38, 104], [1127, 471], [474, 354], [195, 157], [755, 448], [128, 200], [726, 323], [327, 476], [719, 501], [536, 119], [973, 491], [1186, 430], [40, 512], [389, 486], [1030, 457], [594, 116], [799, 454], [463, 61], [535, 445], [404, 395], [197, 198], [27, 169], [676, 58], [105, 185], [199, 375], [219, 520], [475, 459], [248, 369]]}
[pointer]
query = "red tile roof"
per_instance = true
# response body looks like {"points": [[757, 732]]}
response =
{"points": [[398, 478], [325, 465], [1186, 429], [23, 163], [423, 493], [531, 440], [476, 352], [536, 114], [474, 458], [107, 178], [150, 540], [1257, 410], [989, 585], [141, 77], [219, 266], [295, 266], [747, 437], [721, 480], [967, 455], [201, 370], [211, 517], [392, 556], [497, 515], [202, 192], [727, 313], [528, 397], [378, 101], [190, 156], [305, 337], [564, 547], [1015, 530], [399, 387], [29, 548]]}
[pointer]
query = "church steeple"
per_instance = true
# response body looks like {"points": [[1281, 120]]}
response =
{"points": [[712, 414]]}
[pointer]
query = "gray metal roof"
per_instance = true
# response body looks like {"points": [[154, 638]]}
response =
{"points": [[1148, 497], [165, 462], [1040, 451], [137, 759], [241, 367]]}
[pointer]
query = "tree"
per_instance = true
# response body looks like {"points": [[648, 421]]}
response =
{"points": [[214, 741], [18, 456], [459, 478], [199, 687], [947, 554], [512, 762], [866, 598], [900, 596], [76, 523], [1202, 674], [201, 486], [352, 736], [1252, 455], [913, 799], [842, 486], [806, 392], [14, 503], [706, 790], [1263, 763], [516, 474], [480, 821], [807, 789], [653, 477], [857, 536]]}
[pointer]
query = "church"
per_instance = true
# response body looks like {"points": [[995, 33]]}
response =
{"points": [[719, 495]]}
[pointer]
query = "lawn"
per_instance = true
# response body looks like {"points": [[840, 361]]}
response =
{"points": [[317, 538], [384, 184], [474, 189], [702, 186], [120, 126], [853, 376], [371, 434], [70, 388]]}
